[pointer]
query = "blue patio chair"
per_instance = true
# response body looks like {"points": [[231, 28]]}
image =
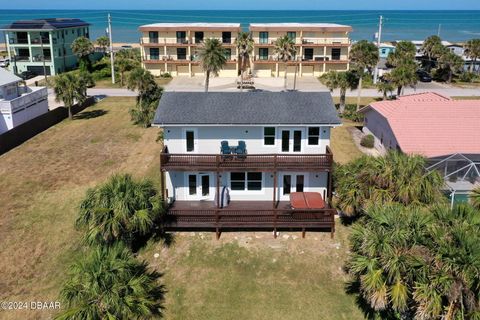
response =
{"points": [[241, 150], [225, 148]]}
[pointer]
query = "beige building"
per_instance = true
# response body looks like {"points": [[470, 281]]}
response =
{"points": [[172, 48]]}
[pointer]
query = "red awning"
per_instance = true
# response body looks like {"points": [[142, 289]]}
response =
{"points": [[306, 200]]}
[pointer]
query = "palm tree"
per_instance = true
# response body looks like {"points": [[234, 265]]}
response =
{"points": [[285, 51], [402, 76], [124, 64], [103, 42], [432, 48], [340, 80], [363, 55], [212, 58], [86, 80], [475, 197], [82, 47], [395, 177], [450, 62], [386, 88], [244, 43], [472, 51], [110, 283], [69, 88], [120, 210], [404, 54]]}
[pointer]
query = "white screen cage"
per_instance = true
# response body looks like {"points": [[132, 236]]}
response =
{"points": [[461, 173]]}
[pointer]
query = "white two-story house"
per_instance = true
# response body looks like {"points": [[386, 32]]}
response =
{"points": [[247, 160], [19, 103]]}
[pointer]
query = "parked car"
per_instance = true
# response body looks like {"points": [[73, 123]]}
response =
{"points": [[25, 75], [423, 76], [4, 63], [126, 47]]}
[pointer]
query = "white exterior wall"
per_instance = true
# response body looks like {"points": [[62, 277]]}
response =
{"points": [[378, 126], [207, 141]]}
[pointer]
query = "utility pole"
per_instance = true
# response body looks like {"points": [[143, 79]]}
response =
{"points": [[379, 41], [439, 29], [111, 47]]}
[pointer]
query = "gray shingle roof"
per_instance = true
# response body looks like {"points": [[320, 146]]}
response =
{"points": [[45, 24], [214, 108]]}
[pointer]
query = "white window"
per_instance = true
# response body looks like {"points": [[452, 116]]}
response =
{"points": [[313, 136], [240, 181], [269, 136]]}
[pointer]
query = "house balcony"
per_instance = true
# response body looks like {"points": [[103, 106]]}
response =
{"points": [[247, 215], [246, 162]]}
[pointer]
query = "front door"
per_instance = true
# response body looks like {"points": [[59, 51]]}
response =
{"points": [[291, 140], [291, 183], [198, 186]]}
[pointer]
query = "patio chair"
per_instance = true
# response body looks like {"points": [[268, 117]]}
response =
{"points": [[225, 149], [241, 150]]}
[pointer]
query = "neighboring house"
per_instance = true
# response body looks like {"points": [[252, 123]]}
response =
{"points": [[171, 47], [19, 103], [427, 123], [385, 49], [261, 148], [31, 43]]}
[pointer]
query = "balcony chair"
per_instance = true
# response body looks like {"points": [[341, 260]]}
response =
{"points": [[241, 150], [225, 149]]}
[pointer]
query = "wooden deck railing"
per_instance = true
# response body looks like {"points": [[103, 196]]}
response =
{"points": [[252, 162]]}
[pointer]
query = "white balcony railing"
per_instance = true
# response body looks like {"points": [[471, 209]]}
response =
{"points": [[28, 96]]}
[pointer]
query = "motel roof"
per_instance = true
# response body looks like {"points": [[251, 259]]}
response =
{"points": [[325, 27], [191, 26], [431, 124], [45, 24], [246, 108]]}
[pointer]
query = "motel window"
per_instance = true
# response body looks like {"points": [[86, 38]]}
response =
{"points": [[313, 136], [241, 181], [182, 53], [308, 53], [198, 36], [263, 37], [263, 53], [269, 136], [292, 35], [226, 37], [153, 36], [228, 54], [181, 37], [154, 53], [336, 53]]}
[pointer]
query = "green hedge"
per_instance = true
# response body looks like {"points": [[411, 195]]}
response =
{"points": [[368, 141]]}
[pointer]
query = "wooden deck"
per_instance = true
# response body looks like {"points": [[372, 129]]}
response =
{"points": [[248, 162], [246, 215]]}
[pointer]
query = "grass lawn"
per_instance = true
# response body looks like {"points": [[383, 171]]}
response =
{"points": [[342, 145], [241, 276]]}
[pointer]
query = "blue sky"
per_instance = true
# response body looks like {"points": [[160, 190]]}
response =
{"points": [[247, 4]]}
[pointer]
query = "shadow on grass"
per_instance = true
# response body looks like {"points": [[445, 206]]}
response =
{"points": [[90, 114], [157, 235]]}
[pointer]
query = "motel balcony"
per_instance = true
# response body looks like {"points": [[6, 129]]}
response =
{"points": [[155, 42]]}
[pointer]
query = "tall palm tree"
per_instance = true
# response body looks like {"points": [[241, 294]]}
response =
{"points": [[86, 80], [103, 42], [82, 47], [395, 177], [212, 58], [363, 55], [340, 80], [472, 50], [245, 44], [69, 89], [285, 51], [386, 88], [403, 59], [110, 283], [120, 210], [450, 62], [432, 47]]}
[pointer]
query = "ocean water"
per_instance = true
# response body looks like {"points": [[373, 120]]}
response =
{"points": [[398, 25]]}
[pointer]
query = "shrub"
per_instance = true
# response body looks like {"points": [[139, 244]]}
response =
{"points": [[368, 141], [467, 77], [166, 75], [350, 113]]}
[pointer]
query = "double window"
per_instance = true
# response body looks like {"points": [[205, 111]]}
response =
{"points": [[154, 53], [181, 37], [153, 36], [241, 181], [336, 52], [198, 36], [292, 35], [181, 53], [269, 136], [263, 53], [313, 136], [263, 37]]}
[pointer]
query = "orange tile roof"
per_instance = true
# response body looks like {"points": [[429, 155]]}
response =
{"points": [[431, 124]]}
